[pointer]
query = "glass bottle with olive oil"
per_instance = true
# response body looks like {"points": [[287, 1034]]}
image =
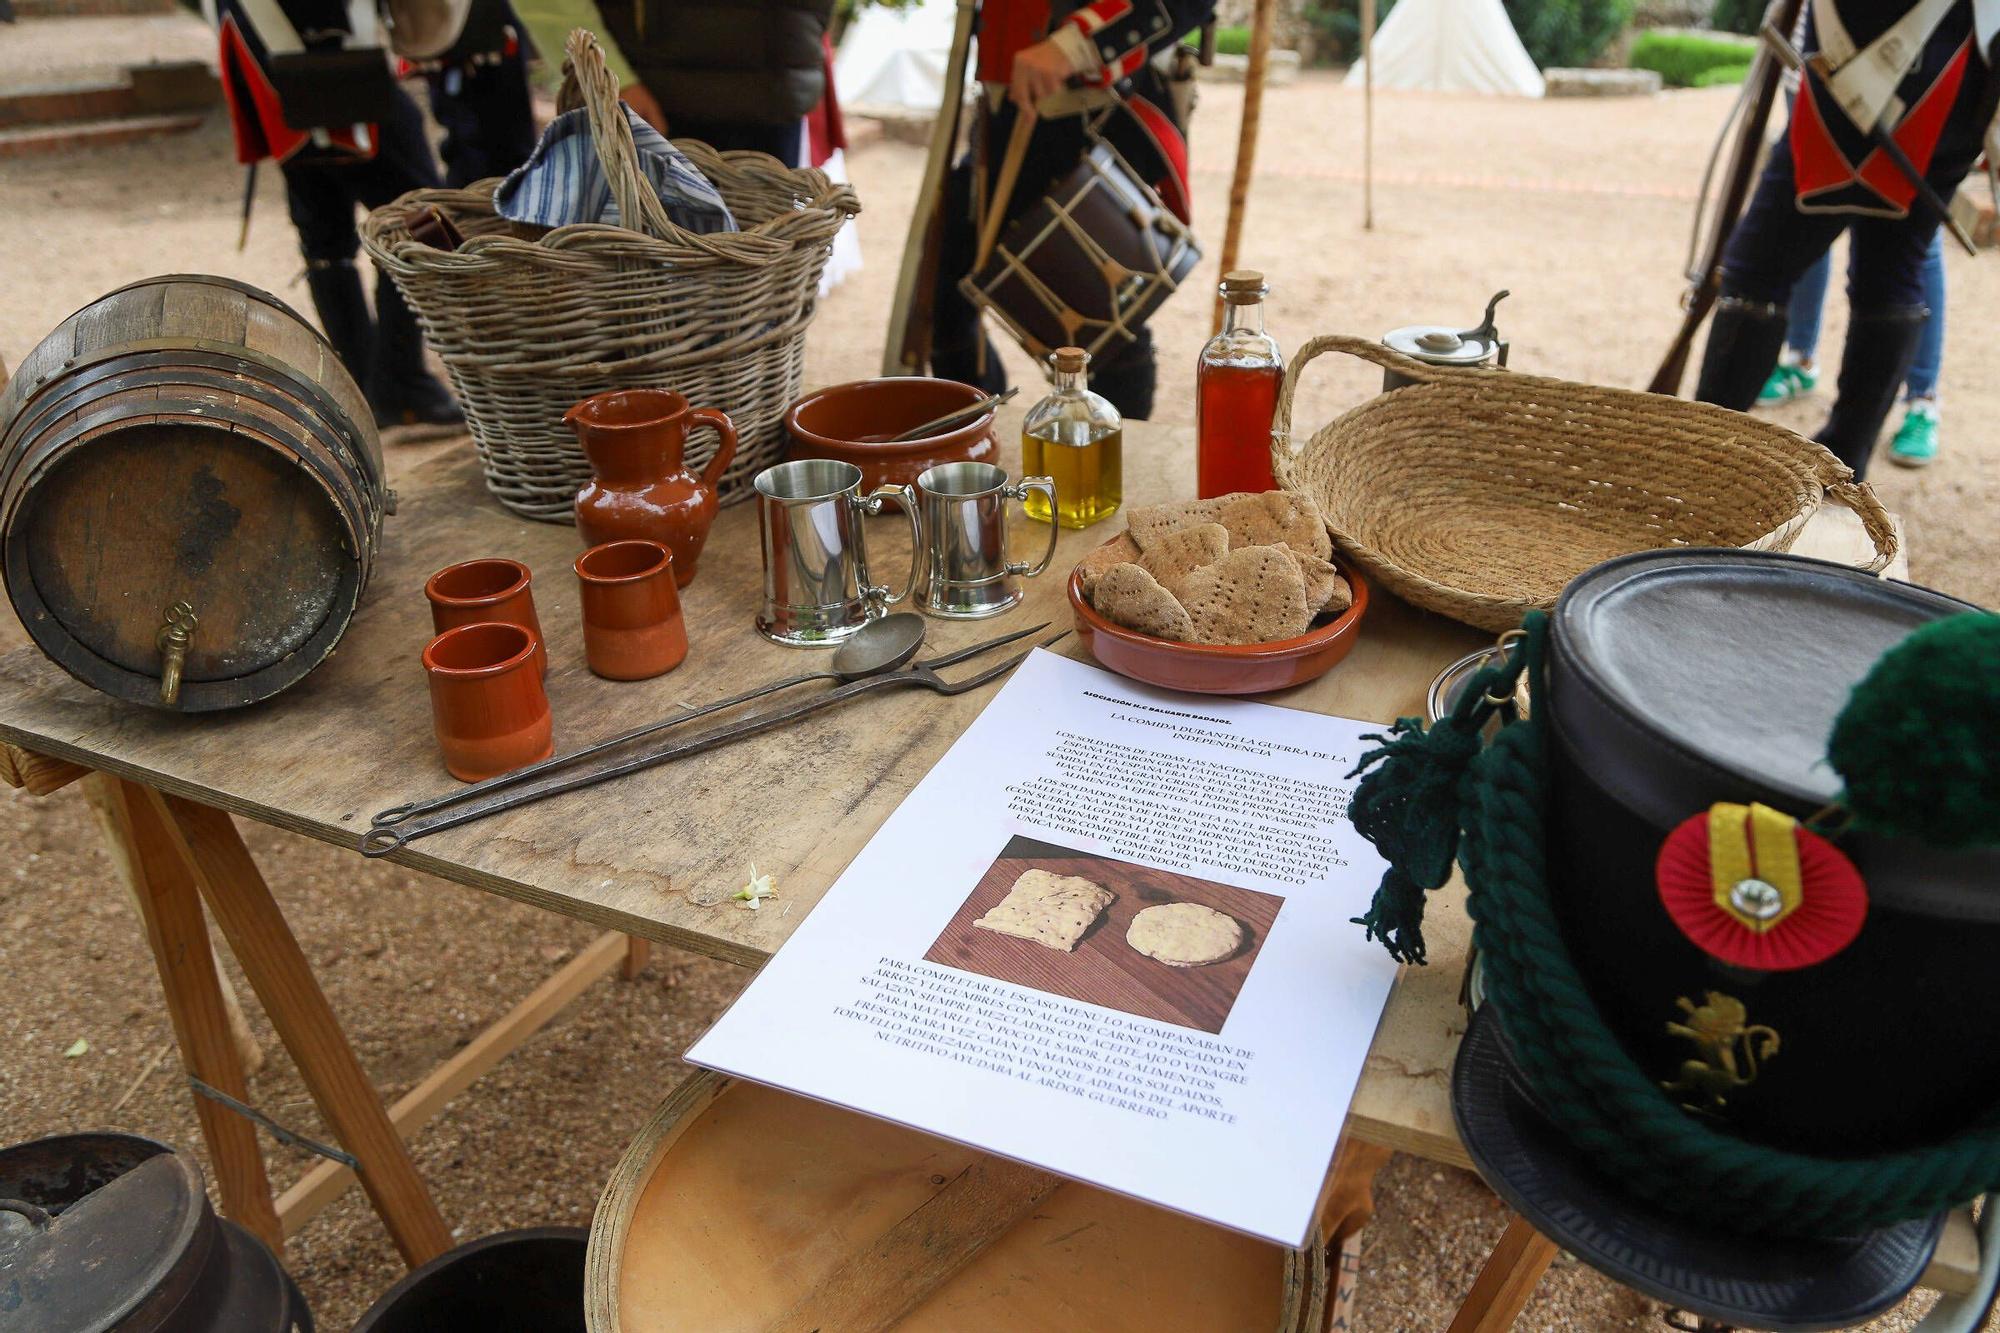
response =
{"points": [[1077, 438]]}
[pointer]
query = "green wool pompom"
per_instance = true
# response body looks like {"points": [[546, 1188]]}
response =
{"points": [[1919, 740]]}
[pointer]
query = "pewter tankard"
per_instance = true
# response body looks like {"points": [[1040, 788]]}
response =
{"points": [[817, 588], [963, 507]]}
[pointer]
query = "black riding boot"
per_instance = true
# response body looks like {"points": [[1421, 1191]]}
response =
{"points": [[400, 387], [1873, 364], [343, 312], [1744, 340]]}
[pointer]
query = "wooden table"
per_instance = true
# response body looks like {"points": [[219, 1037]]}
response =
{"points": [[636, 856]]}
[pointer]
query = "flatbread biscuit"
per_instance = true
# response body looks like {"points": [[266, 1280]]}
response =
{"points": [[1127, 595], [1120, 550], [1052, 910], [1252, 595], [1148, 523], [1175, 555], [1274, 516], [1326, 590], [1184, 934]]}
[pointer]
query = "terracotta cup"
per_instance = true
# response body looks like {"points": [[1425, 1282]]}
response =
{"points": [[487, 701], [632, 625], [486, 591]]}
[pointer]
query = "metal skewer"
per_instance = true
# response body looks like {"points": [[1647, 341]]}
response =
{"points": [[383, 840], [880, 645], [956, 415]]}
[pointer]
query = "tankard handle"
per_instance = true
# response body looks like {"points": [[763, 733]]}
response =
{"points": [[1019, 491], [871, 505]]}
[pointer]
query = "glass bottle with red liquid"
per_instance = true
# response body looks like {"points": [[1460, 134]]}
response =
{"points": [[1236, 394]]}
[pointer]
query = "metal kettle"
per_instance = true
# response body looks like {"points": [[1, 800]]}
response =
{"points": [[1442, 345], [112, 1231]]}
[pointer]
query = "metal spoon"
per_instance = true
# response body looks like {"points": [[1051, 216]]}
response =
{"points": [[880, 645], [956, 415]]}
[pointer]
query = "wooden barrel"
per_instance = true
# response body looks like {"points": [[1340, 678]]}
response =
{"points": [[188, 476], [739, 1207]]}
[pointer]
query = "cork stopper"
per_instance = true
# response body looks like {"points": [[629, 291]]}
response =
{"points": [[1244, 286], [1069, 360]]}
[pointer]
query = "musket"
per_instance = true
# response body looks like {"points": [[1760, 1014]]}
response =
{"points": [[908, 346], [1745, 135]]}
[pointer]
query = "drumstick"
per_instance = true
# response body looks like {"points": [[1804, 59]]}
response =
{"points": [[1003, 191]]}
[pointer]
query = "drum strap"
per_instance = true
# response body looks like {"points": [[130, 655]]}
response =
{"points": [[1863, 81]]}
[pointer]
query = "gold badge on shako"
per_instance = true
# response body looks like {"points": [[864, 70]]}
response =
{"points": [[1751, 887]]}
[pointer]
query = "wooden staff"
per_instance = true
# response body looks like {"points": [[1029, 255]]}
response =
{"points": [[1368, 115], [1246, 141], [1003, 189], [909, 342]]}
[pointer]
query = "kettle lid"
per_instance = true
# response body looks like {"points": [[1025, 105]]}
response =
{"points": [[98, 1231], [1443, 345]]}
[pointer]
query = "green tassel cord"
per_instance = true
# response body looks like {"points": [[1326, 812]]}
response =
{"points": [[1407, 804], [1918, 743]]}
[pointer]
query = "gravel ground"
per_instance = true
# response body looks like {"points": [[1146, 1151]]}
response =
{"points": [[1579, 207]]}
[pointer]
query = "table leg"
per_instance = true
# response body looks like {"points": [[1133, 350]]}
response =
{"points": [[1508, 1280], [1346, 1204], [263, 943], [637, 953], [169, 908]]}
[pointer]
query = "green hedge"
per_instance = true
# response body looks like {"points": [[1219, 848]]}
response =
{"points": [[1721, 75], [1744, 16], [1556, 32], [1682, 58], [1568, 32]]}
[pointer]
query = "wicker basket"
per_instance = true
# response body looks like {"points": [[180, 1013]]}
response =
{"points": [[1480, 493], [530, 321]]}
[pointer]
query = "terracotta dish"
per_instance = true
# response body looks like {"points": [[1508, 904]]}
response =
{"points": [[851, 423], [1201, 668]]}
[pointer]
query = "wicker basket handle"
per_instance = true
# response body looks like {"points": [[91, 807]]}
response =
{"points": [[639, 208], [1859, 496], [1368, 349]]}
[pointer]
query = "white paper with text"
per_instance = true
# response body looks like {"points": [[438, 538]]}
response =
{"points": [[1215, 1085]]}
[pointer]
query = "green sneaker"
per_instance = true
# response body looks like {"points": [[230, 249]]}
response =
{"points": [[1916, 442], [1788, 381]]}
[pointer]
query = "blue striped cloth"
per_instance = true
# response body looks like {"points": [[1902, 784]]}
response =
{"points": [[562, 181]]}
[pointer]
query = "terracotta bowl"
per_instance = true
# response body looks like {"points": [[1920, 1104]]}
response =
{"points": [[1202, 668], [851, 423]]}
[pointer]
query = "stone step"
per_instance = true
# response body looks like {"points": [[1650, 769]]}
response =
{"points": [[30, 9], [25, 140], [159, 89]]}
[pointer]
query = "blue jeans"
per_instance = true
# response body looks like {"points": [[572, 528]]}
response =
{"points": [[1809, 298]]}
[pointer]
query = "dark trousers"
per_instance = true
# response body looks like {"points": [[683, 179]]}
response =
{"points": [[322, 195], [489, 126], [1774, 244], [1126, 375], [784, 142]]}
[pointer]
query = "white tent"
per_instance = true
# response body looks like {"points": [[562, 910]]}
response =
{"points": [[895, 59], [1456, 46]]}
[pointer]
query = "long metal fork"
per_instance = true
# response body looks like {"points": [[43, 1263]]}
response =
{"points": [[397, 814], [381, 841]]}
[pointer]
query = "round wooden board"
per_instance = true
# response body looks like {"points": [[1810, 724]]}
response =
{"points": [[736, 1201]]}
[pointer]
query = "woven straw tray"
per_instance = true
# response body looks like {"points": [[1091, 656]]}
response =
{"points": [[1481, 493]]}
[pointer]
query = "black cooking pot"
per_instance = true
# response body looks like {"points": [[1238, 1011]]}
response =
{"points": [[528, 1281], [1678, 679], [114, 1231]]}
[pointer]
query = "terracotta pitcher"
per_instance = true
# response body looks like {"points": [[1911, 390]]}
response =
{"points": [[640, 488]]}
